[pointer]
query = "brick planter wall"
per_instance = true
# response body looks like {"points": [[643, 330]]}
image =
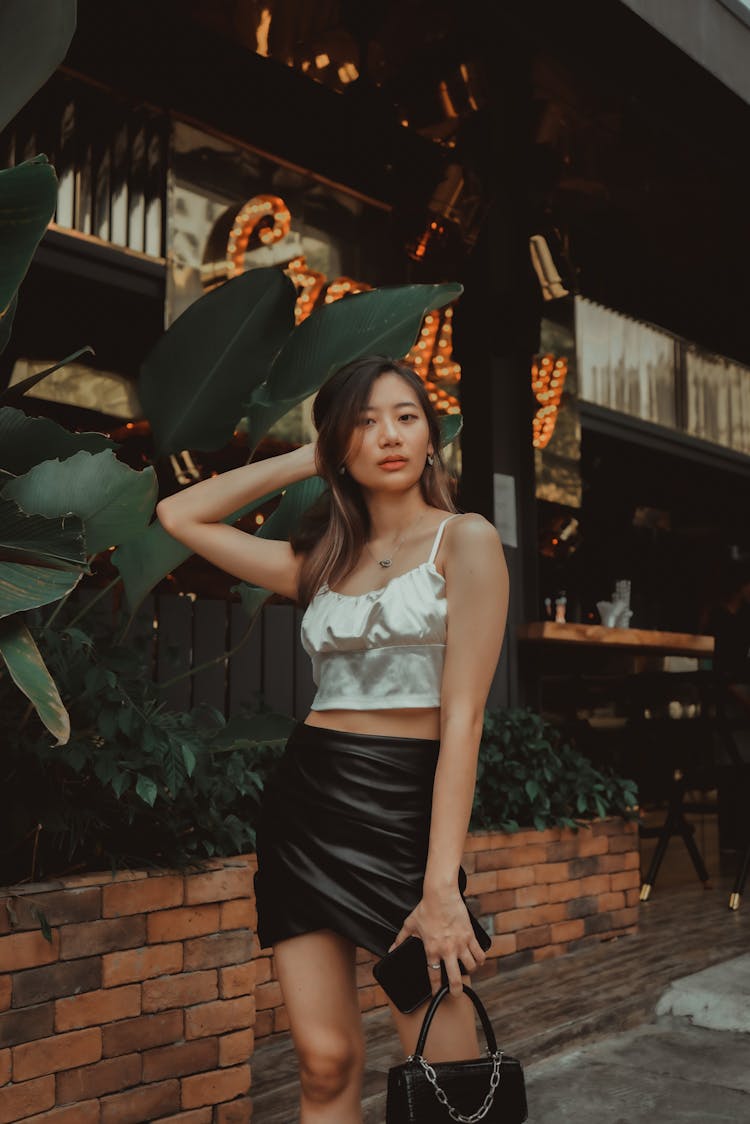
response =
{"points": [[140, 1009], [147, 1003], [539, 893]]}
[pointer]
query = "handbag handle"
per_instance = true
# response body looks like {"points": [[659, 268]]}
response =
{"points": [[437, 998]]}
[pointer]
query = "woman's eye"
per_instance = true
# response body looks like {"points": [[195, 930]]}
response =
{"points": [[366, 420]]}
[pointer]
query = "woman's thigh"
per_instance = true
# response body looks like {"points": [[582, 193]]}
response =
{"points": [[453, 1032], [317, 974]]}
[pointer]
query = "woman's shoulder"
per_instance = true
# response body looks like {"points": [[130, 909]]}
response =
{"points": [[472, 528]]}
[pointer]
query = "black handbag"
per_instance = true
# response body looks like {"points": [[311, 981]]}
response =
{"points": [[490, 1089]]}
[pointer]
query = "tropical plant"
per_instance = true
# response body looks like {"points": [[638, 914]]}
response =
{"points": [[529, 776]]}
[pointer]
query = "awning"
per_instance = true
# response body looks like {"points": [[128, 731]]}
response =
{"points": [[716, 33]]}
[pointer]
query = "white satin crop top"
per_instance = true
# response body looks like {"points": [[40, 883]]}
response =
{"points": [[381, 649]]}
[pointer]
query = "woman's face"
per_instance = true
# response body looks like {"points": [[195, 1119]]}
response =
{"points": [[393, 424]]}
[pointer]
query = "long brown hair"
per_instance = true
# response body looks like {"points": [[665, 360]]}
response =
{"points": [[333, 531]]}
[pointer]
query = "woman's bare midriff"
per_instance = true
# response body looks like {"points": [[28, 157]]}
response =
{"points": [[404, 722]]}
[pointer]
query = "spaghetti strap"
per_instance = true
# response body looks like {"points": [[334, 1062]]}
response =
{"points": [[438, 535]]}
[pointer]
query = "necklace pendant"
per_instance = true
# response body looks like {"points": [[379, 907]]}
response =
{"points": [[385, 562]]}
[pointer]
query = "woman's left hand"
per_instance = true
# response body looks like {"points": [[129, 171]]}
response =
{"points": [[441, 921]]}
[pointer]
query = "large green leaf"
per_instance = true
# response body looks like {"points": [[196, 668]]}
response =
{"points": [[6, 322], [382, 321], [144, 561], [28, 195], [35, 38], [40, 559], [29, 672], [253, 730], [450, 427], [18, 389], [114, 501], [279, 525], [207, 364], [26, 441]]}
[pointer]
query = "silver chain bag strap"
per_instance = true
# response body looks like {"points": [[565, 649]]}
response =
{"points": [[421, 1093]]}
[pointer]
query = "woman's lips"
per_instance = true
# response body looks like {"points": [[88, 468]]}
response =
{"points": [[392, 464]]}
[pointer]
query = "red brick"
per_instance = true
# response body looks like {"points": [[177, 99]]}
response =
{"points": [[218, 886], [194, 1116], [582, 907], [548, 952], [94, 937], [5, 992], [626, 860], [533, 938], [96, 1007], [183, 923], [142, 1104], [582, 868], [142, 1033], [577, 848], [495, 860], [218, 949], [516, 876], [141, 963], [598, 923], [532, 895], [212, 1088], [567, 930], [85, 1112], [237, 1047], [237, 980], [268, 995], [552, 872], [618, 844], [64, 978], [182, 990], [239, 1111], [481, 882], [237, 915], [263, 971], [28, 950], [4, 1066], [60, 907], [611, 825], [478, 841], [180, 1059], [107, 1076], [612, 901], [17, 1101], [502, 945], [219, 1017], [27, 1024], [632, 897], [62, 1051], [124, 898], [264, 1019], [627, 916], [626, 880], [497, 900]]}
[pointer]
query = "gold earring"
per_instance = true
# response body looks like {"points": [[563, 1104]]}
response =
{"points": [[430, 459]]}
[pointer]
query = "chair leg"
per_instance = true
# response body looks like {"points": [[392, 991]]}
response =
{"points": [[739, 882], [674, 824]]}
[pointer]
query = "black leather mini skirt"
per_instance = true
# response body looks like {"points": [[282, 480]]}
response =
{"points": [[343, 835]]}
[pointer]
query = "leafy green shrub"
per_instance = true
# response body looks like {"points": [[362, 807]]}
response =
{"points": [[528, 776], [136, 784]]}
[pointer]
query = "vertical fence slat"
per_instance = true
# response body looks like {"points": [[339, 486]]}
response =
{"points": [[304, 684], [279, 658], [209, 636], [175, 648], [245, 665]]}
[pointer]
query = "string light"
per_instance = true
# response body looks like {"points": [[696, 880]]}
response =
{"points": [[547, 382]]}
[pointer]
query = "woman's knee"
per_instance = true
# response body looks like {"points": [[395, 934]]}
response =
{"points": [[329, 1063]]}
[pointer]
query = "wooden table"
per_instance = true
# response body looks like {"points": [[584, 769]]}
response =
{"points": [[568, 632]]}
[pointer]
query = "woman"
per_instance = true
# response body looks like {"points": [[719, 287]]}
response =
{"points": [[364, 820]]}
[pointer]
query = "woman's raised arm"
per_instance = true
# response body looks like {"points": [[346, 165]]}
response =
{"points": [[193, 517]]}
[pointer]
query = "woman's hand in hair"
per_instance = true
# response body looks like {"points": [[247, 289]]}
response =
{"points": [[441, 921]]}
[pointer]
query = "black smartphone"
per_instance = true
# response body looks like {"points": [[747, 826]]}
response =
{"points": [[403, 974]]}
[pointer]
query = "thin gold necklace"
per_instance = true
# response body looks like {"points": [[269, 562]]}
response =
{"points": [[385, 562]]}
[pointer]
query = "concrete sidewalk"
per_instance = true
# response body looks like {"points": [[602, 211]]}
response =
{"points": [[690, 1063]]}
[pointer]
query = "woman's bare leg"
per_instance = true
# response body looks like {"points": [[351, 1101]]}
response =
{"points": [[453, 1032], [317, 975]]}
